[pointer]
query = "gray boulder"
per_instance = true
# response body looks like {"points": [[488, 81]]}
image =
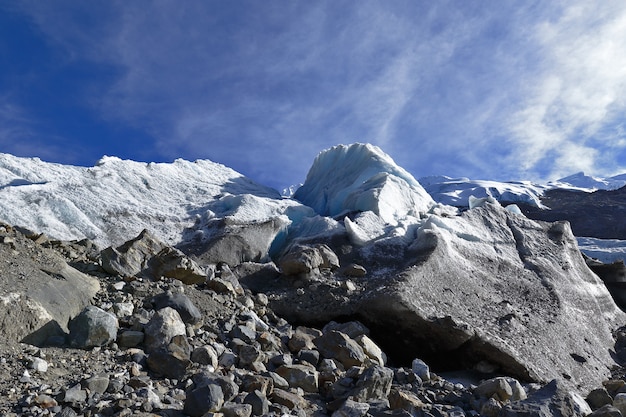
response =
{"points": [[39, 291], [93, 327], [133, 257], [304, 259], [553, 400], [204, 399], [231, 241], [172, 263], [188, 312], [162, 327], [489, 285], [149, 257]]}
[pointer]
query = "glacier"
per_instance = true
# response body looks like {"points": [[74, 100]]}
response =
{"points": [[361, 177]]}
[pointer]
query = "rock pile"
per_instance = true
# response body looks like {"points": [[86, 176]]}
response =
{"points": [[163, 347]]}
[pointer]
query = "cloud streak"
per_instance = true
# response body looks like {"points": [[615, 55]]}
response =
{"points": [[501, 90]]}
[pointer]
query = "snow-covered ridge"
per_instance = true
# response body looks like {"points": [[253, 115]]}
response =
{"points": [[457, 191], [589, 183], [116, 199]]}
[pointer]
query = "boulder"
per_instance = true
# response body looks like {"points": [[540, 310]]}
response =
{"points": [[39, 291], [162, 327], [188, 312], [172, 263], [93, 327], [336, 345], [487, 286], [133, 257], [304, 259], [553, 400], [232, 241]]}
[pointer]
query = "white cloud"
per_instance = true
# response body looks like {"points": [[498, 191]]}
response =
{"points": [[578, 92]]}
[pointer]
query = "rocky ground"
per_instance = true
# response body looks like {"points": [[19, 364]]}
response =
{"points": [[213, 348]]}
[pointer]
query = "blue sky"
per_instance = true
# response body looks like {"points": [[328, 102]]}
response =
{"points": [[501, 90]]}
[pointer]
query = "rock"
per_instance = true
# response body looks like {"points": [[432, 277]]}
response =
{"points": [[133, 257], [204, 399], [38, 365], [371, 349], [553, 400], [287, 399], [205, 355], [336, 345], [303, 259], [598, 398], [172, 360], [188, 312], [420, 369], [373, 384], [258, 401], [93, 327], [619, 402], [236, 410], [300, 376], [400, 399], [130, 338], [39, 292], [96, 384], [302, 338], [300, 260], [229, 388], [75, 395], [606, 411], [497, 388], [162, 327], [352, 408], [172, 263]]}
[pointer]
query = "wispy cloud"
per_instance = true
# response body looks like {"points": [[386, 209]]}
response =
{"points": [[504, 90], [578, 93]]}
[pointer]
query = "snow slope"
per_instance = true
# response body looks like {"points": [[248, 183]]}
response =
{"points": [[456, 191], [590, 183], [114, 200]]}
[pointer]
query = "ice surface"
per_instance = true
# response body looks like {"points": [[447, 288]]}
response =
{"points": [[605, 250], [114, 200], [361, 177], [457, 191]]}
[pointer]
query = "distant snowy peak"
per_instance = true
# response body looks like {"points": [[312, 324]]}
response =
{"points": [[590, 183], [457, 191], [361, 177]]}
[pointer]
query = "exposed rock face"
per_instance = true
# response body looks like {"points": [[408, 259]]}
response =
{"points": [[485, 286], [598, 214], [39, 291]]}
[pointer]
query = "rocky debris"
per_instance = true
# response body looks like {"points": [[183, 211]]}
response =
{"points": [[274, 368], [146, 256], [39, 291]]}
